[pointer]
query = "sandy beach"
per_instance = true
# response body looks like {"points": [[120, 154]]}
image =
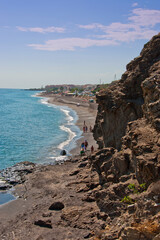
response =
{"points": [[86, 113], [30, 217]]}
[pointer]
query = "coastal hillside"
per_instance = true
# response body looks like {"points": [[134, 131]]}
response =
{"points": [[112, 193], [134, 96], [127, 130]]}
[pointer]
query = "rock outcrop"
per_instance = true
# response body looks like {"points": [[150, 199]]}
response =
{"points": [[136, 95], [127, 130], [128, 118], [15, 175]]}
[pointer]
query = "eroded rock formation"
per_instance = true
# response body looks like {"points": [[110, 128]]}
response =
{"points": [[127, 130], [128, 117], [135, 96]]}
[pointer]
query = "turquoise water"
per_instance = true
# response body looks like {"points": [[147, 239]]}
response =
{"points": [[33, 130], [6, 197]]}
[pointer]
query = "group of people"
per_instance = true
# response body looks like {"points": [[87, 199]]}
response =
{"points": [[84, 145], [85, 128]]}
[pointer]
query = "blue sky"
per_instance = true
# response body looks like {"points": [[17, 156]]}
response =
{"points": [[72, 41]]}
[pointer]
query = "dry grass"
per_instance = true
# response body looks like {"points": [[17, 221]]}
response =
{"points": [[148, 227]]}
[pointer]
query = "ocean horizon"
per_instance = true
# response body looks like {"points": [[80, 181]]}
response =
{"points": [[33, 130]]}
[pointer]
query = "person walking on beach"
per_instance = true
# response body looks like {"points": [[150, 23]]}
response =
{"points": [[82, 152], [83, 145], [86, 129], [86, 144]]}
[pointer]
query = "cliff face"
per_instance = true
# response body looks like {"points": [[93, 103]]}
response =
{"points": [[128, 117], [135, 96], [127, 130]]}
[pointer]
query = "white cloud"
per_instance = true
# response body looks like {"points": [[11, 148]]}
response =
{"points": [[135, 4], [140, 25], [129, 36], [91, 26], [41, 30], [70, 44], [145, 17], [22, 29]]}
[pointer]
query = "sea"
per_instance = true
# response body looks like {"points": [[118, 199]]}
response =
{"points": [[33, 130]]}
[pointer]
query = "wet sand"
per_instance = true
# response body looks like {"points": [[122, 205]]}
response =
{"points": [[86, 112]]}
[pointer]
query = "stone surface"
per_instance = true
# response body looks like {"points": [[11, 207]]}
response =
{"points": [[128, 120], [56, 206], [137, 94], [16, 174], [4, 185], [43, 223], [132, 234]]}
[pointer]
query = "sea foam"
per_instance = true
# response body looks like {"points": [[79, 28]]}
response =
{"points": [[66, 127], [33, 129], [69, 117], [70, 138]]}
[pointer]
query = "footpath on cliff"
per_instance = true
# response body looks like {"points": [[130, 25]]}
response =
{"points": [[113, 193]]}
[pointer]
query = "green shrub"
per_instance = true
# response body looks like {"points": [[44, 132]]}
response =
{"points": [[142, 187], [127, 200], [131, 186]]}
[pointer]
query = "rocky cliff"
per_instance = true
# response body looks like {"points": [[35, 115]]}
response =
{"points": [[127, 130], [134, 96], [128, 117]]}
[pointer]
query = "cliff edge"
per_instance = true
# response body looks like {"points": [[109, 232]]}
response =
{"points": [[134, 96], [127, 130], [128, 116]]}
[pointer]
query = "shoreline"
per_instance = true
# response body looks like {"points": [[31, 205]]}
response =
{"points": [[85, 111], [44, 185], [30, 216]]}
